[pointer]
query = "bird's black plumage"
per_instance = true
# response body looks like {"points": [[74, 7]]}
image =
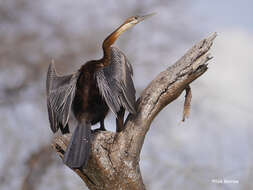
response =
{"points": [[115, 83], [90, 93], [60, 95]]}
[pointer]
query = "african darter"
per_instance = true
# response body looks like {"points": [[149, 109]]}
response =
{"points": [[97, 86]]}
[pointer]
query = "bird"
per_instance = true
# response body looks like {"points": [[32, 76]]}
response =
{"points": [[89, 93]]}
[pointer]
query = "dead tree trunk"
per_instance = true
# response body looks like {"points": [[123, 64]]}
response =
{"points": [[114, 160]]}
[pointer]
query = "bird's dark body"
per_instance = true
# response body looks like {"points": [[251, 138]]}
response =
{"points": [[88, 104], [89, 108], [90, 92]]}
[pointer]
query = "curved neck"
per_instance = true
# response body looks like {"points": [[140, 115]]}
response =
{"points": [[111, 39]]}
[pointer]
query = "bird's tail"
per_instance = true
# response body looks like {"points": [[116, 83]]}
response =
{"points": [[78, 150]]}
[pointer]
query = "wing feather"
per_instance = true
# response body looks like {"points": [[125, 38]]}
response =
{"points": [[115, 83], [60, 94]]}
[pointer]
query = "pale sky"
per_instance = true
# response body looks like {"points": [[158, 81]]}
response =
{"points": [[225, 13]]}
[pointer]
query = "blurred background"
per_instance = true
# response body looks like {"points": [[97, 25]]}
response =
{"points": [[215, 143]]}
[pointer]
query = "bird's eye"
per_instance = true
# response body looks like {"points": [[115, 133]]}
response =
{"points": [[135, 17]]}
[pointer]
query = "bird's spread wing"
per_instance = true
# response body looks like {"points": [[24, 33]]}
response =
{"points": [[115, 83], [60, 94]]}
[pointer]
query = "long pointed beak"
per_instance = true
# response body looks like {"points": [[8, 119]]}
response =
{"points": [[141, 18]]}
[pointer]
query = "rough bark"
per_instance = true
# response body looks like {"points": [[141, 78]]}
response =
{"points": [[114, 160]]}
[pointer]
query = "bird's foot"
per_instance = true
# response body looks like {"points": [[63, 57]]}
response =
{"points": [[98, 129]]}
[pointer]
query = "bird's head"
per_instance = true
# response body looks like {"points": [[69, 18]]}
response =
{"points": [[132, 21]]}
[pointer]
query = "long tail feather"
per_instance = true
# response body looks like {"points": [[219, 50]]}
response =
{"points": [[78, 150]]}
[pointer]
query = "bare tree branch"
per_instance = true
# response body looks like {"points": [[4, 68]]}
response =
{"points": [[114, 161]]}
